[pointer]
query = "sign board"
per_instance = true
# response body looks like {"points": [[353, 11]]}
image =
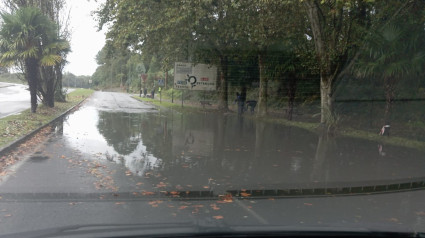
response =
{"points": [[195, 77], [161, 82]]}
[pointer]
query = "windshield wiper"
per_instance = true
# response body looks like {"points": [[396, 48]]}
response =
{"points": [[202, 229]]}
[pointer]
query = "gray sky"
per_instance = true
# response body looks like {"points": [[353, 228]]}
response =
{"points": [[85, 41]]}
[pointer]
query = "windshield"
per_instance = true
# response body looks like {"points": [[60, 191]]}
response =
{"points": [[156, 117]]}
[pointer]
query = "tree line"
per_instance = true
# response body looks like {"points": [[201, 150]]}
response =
{"points": [[34, 38], [331, 41]]}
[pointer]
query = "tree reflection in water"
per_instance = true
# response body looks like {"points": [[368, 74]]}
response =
{"points": [[216, 150]]}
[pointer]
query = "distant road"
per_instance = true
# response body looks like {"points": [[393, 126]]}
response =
{"points": [[14, 98]]}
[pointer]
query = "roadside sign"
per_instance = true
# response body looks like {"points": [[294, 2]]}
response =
{"points": [[195, 77], [161, 82]]}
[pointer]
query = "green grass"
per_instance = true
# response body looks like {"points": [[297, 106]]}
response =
{"points": [[16, 126], [313, 127], [175, 106], [354, 133]]}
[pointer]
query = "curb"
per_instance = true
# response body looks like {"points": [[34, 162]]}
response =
{"points": [[23, 138]]}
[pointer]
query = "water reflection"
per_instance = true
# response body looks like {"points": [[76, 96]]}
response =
{"points": [[214, 151]]}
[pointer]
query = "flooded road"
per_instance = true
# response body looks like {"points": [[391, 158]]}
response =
{"points": [[215, 152], [120, 161]]}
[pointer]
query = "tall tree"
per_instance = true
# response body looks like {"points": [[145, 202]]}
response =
{"points": [[24, 42], [50, 86], [337, 27], [393, 52]]}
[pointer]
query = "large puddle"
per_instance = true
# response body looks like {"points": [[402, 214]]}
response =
{"points": [[201, 151]]}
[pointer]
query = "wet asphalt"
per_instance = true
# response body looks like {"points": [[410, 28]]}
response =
{"points": [[120, 161]]}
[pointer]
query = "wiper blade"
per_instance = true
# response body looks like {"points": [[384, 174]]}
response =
{"points": [[188, 229]]}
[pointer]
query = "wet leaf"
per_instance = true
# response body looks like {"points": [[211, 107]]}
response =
{"points": [[218, 217], [182, 207], [63, 156], [214, 207], [308, 204], [145, 193], [139, 183], [8, 215], [119, 203], [161, 185], [244, 194], [393, 219]]}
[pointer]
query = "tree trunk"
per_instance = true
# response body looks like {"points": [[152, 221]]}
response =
{"points": [[166, 80], [389, 98], [223, 92], [262, 97], [322, 45], [59, 95], [326, 99], [47, 85], [31, 76], [292, 88]]}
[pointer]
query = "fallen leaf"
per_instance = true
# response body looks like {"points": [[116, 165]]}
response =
{"points": [[218, 217], [119, 203], [244, 194], [214, 207], [182, 207], [308, 204], [161, 185], [393, 219], [8, 215]]}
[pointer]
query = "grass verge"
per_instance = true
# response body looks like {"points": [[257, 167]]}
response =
{"points": [[354, 133], [175, 106], [313, 127], [15, 126]]}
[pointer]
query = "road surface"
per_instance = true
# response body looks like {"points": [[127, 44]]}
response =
{"points": [[14, 98], [118, 161]]}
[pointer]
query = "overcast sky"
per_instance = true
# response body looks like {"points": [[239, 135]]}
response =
{"points": [[86, 41]]}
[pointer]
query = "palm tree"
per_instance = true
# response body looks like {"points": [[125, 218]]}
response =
{"points": [[54, 53], [25, 38], [393, 52]]}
